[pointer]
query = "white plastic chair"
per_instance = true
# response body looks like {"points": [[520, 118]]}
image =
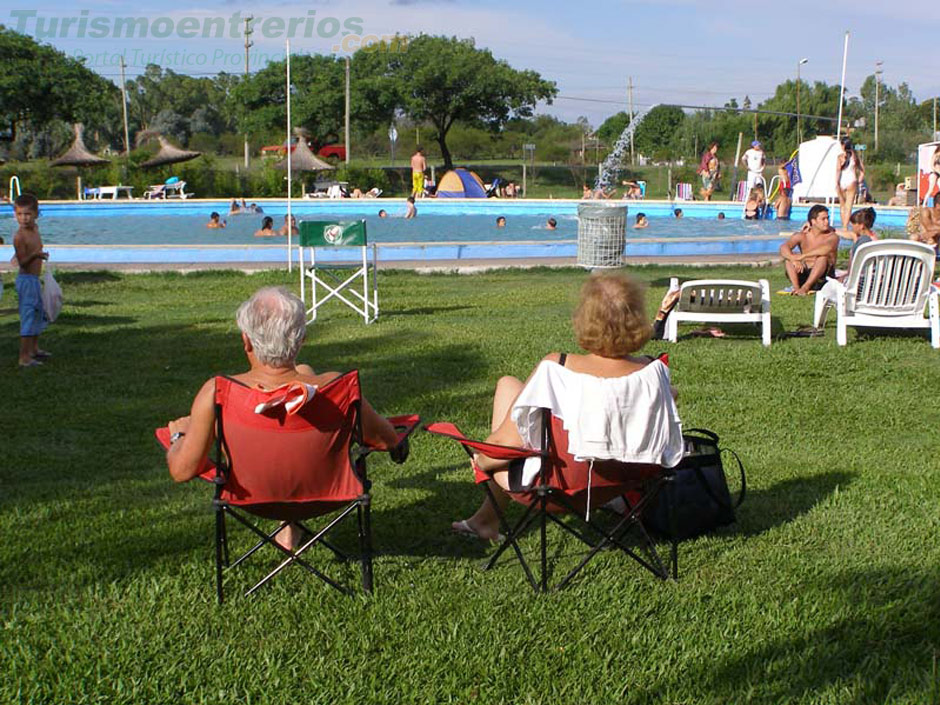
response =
{"points": [[330, 273], [720, 301], [888, 286]]}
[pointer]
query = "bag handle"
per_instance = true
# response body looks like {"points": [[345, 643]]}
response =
{"points": [[743, 476]]}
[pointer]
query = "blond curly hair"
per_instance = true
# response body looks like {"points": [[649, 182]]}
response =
{"points": [[611, 319]]}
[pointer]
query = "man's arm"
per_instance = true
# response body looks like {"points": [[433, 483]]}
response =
{"points": [[185, 456], [786, 248]]}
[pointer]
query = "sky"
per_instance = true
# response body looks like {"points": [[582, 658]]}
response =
{"points": [[686, 52]]}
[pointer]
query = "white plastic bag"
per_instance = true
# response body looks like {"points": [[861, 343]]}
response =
{"points": [[51, 295]]}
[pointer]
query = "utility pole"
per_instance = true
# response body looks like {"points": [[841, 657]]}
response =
{"points": [[935, 118], [127, 140], [877, 98], [799, 121], [633, 132], [248, 45], [347, 111]]}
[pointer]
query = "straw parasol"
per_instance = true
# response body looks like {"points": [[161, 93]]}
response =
{"points": [[78, 154], [168, 154], [302, 159]]}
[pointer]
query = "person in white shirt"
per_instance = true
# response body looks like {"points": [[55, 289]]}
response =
{"points": [[615, 405], [754, 160]]}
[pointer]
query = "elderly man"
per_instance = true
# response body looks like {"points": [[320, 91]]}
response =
{"points": [[818, 245], [273, 328]]}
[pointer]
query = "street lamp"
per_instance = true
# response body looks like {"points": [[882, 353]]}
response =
{"points": [[877, 82], [799, 123]]}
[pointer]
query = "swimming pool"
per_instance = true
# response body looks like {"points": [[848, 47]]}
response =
{"points": [[139, 231]]}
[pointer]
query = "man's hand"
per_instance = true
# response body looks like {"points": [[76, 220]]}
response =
{"points": [[180, 425]]}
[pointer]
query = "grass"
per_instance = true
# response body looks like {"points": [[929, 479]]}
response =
{"points": [[826, 591]]}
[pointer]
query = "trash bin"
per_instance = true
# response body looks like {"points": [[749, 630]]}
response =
{"points": [[602, 231]]}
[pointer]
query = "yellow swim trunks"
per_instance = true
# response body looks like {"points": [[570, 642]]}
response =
{"points": [[417, 183]]}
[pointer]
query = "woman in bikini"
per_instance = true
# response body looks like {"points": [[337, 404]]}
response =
{"points": [[610, 324], [849, 174]]}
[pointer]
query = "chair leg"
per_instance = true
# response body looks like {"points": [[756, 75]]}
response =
{"points": [[220, 541], [365, 542], [543, 503]]}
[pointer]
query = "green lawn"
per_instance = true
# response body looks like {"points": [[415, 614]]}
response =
{"points": [[826, 591]]}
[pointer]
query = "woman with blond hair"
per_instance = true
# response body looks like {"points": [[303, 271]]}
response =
{"points": [[606, 387]]}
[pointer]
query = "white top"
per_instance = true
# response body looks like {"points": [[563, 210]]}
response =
{"points": [[755, 159], [631, 419]]}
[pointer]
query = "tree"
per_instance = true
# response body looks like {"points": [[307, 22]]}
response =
{"points": [[441, 80], [40, 84], [655, 136], [611, 129]]}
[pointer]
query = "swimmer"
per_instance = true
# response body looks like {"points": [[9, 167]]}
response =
{"points": [[234, 209], [721, 216], [255, 208], [412, 212], [215, 221], [383, 214], [641, 221], [267, 228], [293, 227], [551, 224], [677, 212], [501, 222]]}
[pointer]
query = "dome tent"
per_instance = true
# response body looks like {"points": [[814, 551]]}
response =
{"points": [[460, 183]]}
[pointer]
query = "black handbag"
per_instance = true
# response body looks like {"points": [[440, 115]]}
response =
{"points": [[695, 500]]}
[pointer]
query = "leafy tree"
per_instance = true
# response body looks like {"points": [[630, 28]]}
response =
{"points": [[441, 81], [40, 84], [655, 136], [611, 129]]}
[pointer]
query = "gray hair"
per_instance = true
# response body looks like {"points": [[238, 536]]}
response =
{"points": [[275, 323]]}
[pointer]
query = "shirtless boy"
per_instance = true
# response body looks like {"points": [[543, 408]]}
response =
{"points": [[818, 245], [29, 253], [418, 166]]}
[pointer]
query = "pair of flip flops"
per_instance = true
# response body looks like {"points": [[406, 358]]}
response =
{"points": [[790, 291]]}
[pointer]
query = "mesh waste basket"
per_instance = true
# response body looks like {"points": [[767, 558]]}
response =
{"points": [[602, 233]]}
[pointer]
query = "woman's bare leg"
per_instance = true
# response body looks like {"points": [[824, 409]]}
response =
{"points": [[846, 201], [485, 520]]}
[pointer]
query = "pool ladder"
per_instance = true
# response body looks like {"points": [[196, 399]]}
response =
{"points": [[15, 190]]}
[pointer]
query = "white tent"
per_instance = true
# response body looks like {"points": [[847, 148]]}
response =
{"points": [[925, 155], [817, 160]]}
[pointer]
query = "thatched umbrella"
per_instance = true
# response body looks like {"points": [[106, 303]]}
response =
{"points": [[78, 155], [302, 159], [168, 154]]}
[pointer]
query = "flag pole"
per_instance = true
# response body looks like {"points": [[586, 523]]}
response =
{"points": [[290, 222], [845, 56]]}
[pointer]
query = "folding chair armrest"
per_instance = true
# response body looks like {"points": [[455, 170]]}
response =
{"points": [[490, 450], [207, 470]]}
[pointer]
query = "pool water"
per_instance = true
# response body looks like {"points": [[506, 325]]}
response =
{"points": [[160, 228]]}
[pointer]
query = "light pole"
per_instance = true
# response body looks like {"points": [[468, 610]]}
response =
{"points": [[799, 123], [877, 82]]}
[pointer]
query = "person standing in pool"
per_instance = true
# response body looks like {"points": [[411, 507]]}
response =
{"points": [[293, 227], [551, 224], [412, 212], [754, 159], [418, 166], [501, 221], [267, 228], [215, 221], [641, 221]]}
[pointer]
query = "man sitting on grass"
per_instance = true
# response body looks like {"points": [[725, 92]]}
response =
{"points": [[818, 244]]}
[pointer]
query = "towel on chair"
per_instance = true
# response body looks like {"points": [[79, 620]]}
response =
{"points": [[631, 419]]}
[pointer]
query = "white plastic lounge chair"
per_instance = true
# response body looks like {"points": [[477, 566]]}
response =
{"points": [[683, 192], [720, 301], [888, 286], [177, 189], [155, 191]]}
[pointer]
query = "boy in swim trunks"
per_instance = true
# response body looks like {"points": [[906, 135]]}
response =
{"points": [[29, 254]]}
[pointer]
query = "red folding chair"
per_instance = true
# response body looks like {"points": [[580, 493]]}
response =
{"points": [[291, 467], [577, 488]]}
